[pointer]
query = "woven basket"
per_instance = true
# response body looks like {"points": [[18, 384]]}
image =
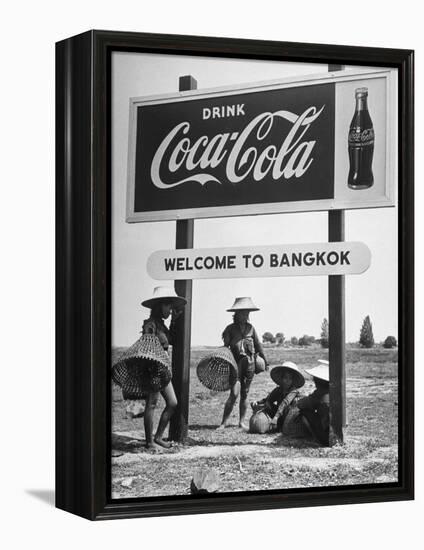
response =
{"points": [[218, 371], [143, 368]]}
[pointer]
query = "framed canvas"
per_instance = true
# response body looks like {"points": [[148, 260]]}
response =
{"points": [[234, 274]]}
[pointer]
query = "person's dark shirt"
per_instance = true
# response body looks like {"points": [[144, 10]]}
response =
{"points": [[277, 402], [319, 403]]}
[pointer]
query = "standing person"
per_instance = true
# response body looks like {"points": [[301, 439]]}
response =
{"points": [[163, 304], [315, 408], [143, 370], [277, 404], [241, 337]]}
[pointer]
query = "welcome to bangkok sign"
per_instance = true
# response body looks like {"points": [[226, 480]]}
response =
{"points": [[270, 147]]}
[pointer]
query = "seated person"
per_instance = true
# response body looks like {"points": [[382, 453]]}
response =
{"points": [[314, 409], [277, 404]]}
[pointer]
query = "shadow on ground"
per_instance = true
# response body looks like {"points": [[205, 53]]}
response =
{"points": [[126, 444], [45, 495], [198, 427]]}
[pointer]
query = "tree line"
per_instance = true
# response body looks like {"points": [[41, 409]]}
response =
{"points": [[366, 337]]}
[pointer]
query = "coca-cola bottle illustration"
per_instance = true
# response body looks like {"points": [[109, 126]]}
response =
{"points": [[361, 144]]}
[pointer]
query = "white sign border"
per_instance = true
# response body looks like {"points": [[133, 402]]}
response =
{"points": [[268, 208]]}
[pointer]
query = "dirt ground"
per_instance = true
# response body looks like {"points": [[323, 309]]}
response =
{"points": [[248, 462]]}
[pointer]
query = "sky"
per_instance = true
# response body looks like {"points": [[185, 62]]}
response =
{"points": [[292, 305]]}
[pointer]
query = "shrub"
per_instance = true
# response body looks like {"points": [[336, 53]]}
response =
{"points": [[390, 342], [268, 337], [280, 338], [294, 341], [366, 337], [306, 340], [324, 333]]}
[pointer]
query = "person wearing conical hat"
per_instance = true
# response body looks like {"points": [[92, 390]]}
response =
{"points": [[315, 408], [164, 303], [241, 337], [276, 404]]}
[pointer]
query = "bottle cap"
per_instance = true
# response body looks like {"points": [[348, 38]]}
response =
{"points": [[361, 92]]}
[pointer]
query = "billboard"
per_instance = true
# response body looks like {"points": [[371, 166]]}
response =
{"points": [[288, 146]]}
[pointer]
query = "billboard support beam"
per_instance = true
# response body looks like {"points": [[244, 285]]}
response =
{"points": [[178, 428], [336, 314]]}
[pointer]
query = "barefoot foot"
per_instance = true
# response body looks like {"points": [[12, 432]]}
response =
{"points": [[153, 447], [163, 443], [221, 427]]}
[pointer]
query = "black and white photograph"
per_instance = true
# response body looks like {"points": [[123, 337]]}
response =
{"points": [[211, 326], [254, 275]]}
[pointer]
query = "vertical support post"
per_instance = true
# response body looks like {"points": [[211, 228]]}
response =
{"points": [[336, 319], [337, 346], [181, 348]]}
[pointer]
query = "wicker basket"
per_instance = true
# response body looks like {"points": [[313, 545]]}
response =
{"points": [[218, 371], [143, 368]]}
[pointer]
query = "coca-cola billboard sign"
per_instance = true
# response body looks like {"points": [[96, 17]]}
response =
{"points": [[272, 146], [268, 148]]}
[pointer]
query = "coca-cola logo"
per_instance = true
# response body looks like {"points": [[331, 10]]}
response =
{"points": [[357, 136], [241, 148], [292, 157]]}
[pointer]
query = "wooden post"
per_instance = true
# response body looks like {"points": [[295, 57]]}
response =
{"points": [[337, 346], [181, 349], [336, 321]]}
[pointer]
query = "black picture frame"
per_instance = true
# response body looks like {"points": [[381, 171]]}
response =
{"points": [[83, 154]]}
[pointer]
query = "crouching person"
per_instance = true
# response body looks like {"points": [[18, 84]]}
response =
{"points": [[272, 412], [314, 409]]}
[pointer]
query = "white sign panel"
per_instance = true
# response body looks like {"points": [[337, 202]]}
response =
{"points": [[340, 258]]}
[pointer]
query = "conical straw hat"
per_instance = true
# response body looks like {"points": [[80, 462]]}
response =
{"points": [[164, 294], [218, 370], [288, 366], [244, 302], [143, 368], [321, 371]]}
